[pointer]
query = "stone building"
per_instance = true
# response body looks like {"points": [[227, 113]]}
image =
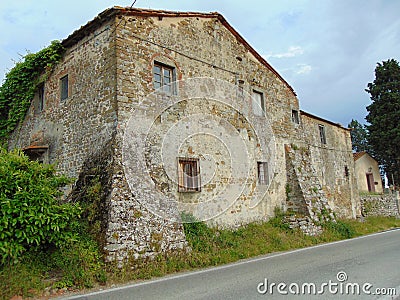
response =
{"points": [[175, 112]]}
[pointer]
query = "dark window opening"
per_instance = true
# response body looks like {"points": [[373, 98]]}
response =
{"points": [[240, 90], [346, 171], [36, 153], [188, 175], [262, 173], [41, 98], [64, 87], [322, 135], [295, 116]]}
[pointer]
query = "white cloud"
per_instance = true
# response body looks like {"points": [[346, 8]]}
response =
{"points": [[303, 69], [291, 52]]}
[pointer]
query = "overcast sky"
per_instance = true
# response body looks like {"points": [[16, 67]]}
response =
{"points": [[326, 50]]}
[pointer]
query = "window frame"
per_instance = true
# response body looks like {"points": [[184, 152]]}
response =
{"points": [[64, 87], [165, 87], [255, 109], [322, 134], [189, 183], [41, 97], [262, 173], [295, 117]]}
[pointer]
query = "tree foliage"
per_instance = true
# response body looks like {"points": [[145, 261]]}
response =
{"points": [[358, 136], [384, 117], [30, 212], [21, 83]]}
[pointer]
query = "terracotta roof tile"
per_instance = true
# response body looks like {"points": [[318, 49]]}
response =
{"points": [[357, 155]]}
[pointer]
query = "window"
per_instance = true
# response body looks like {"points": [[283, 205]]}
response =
{"points": [[240, 91], [295, 116], [163, 76], [41, 97], [188, 175], [346, 171], [258, 103], [64, 87], [262, 173], [322, 134]]}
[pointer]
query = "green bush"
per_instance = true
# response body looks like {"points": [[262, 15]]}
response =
{"points": [[31, 213], [199, 235], [278, 220], [340, 228]]}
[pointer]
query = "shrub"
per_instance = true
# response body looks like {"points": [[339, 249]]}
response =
{"points": [[278, 219], [31, 213], [340, 228], [199, 236]]}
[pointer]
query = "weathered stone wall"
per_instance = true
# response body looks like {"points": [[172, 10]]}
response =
{"points": [[78, 126], [110, 70], [333, 163], [133, 231], [305, 224], [305, 193], [79, 130], [380, 205], [204, 47]]}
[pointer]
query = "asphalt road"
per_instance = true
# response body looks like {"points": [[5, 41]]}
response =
{"points": [[342, 270]]}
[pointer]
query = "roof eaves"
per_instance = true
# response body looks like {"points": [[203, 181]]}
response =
{"points": [[358, 155], [302, 112], [111, 12], [253, 51], [90, 26]]}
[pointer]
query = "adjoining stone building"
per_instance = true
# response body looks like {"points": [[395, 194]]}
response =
{"points": [[175, 112]]}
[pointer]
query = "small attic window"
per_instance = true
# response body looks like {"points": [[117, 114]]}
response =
{"points": [[322, 135]]}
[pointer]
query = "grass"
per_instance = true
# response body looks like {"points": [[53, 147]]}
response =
{"points": [[80, 266]]}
